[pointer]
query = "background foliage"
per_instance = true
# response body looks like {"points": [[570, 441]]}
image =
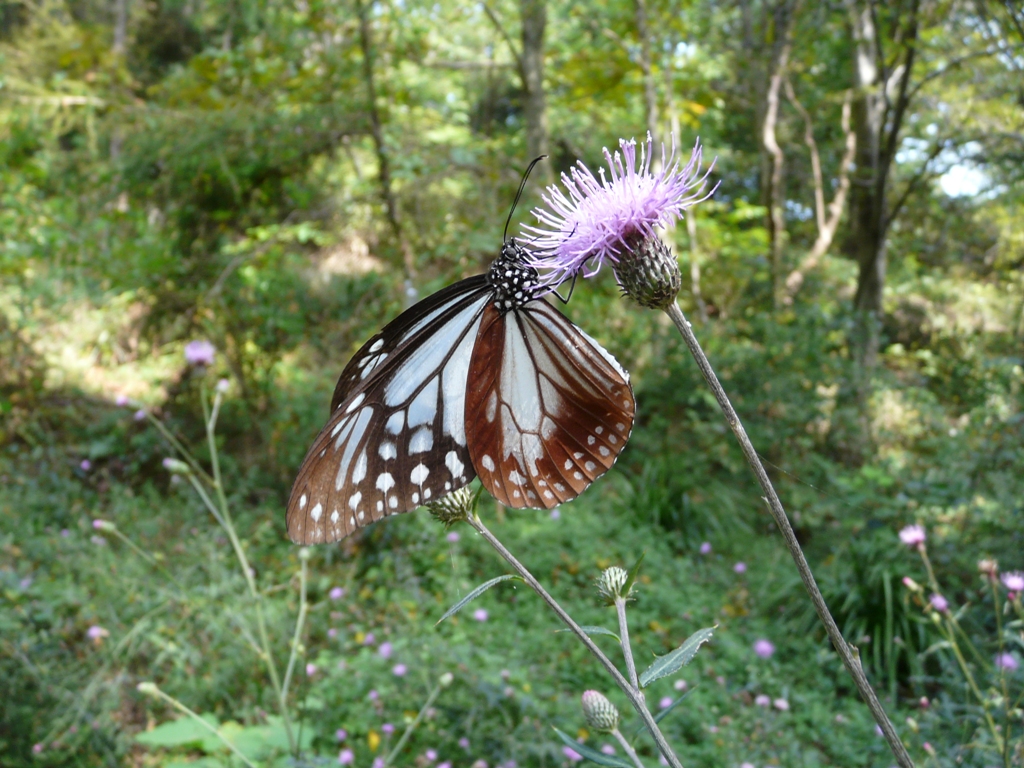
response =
{"points": [[282, 177]]}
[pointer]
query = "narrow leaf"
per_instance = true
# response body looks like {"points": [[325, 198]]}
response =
{"points": [[592, 630], [592, 754], [475, 594], [671, 662], [661, 715], [633, 572]]}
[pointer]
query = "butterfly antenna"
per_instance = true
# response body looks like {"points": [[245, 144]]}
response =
{"points": [[519, 194]]}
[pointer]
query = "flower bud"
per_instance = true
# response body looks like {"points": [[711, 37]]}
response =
{"points": [[103, 525], [177, 467], [304, 554], [453, 507], [611, 583], [446, 679], [648, 272], [149, 689], [600, 714]]}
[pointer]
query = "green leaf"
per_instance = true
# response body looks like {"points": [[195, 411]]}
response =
{"points": [[671, 662], [592, 630], [181, 733], [592, 754], [475, 594], [664, 713], [633, 573]]}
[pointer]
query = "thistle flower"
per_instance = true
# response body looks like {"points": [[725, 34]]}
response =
{"points": [[453, 507], [613, 220], [1013, 581], [939, 603], [913, 536], [611, 583], [764, 648], [1007, 661], [600, 714], [199, 353]]}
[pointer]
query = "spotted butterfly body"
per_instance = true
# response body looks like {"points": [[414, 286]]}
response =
{"points": [[483, 378]]}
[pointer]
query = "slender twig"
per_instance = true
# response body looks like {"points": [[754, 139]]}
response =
{"points": [[299, 622], [627, 747], [152, 690], [627, 649], [633, 695], [845, 651]]}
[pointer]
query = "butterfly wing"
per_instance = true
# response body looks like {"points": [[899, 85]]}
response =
{"points": [[397, 436], [547, 409]]}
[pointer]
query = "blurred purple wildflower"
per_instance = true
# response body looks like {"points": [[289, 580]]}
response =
{"points": [[464, 743], [572, 754], [705, 548], [1007, 661], [369, 639], [388, 729], [595, 221], [762, 700], [764, 648], [913, 535], [223, 385], [431, 755], [378, 762], [781, 704], [480, 614], [740, 567], [1013, 581], [555, 514], [385, 650], [346, 756], [86, 465], [665, 703], [64, 532], [310, 669], [199, 353], [373, 695], [341, 734], [332, 632], [608, 749], [121, 401], [679, 685], [96, 633], [139, 415], [453, 536], [337, 593], [939, 603], [399, 670]]}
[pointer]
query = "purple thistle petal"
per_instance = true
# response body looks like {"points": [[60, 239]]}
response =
{"points": [[593, 219]]}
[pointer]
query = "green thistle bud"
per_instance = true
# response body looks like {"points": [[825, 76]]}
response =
{"points": [[600, 714], [453, 508], [611, 583], [648, 273]]}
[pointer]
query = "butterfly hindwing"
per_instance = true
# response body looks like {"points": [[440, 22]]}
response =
{"points": [[397, 439], [547, 408]]}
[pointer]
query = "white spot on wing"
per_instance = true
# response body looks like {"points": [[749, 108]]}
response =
{"points": [[488, 462], [355, 402], [302, 501], [455, 466], [395, 422], [385, 482], [316, 512], [422, 441], [354, 501], [387, 450], [419, 474]]}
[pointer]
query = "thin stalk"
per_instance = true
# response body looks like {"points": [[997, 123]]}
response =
{"points": [[299, 622], [973, 685], [627, 748], [152, 689], [176, 444], [247, 572], [1002, 673], [632, 694], [627, 649], [851, 662], [413, 725]]}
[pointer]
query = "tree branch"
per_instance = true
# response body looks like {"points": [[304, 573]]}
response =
{"points": [[505, 36]]}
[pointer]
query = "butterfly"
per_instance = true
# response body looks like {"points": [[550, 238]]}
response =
{"points": [[482, 379]]}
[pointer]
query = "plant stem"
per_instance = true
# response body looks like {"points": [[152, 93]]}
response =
{"points": [[627, 748], [247, 572], [303, 610], [632, 694], [413, 725], [627, 649], [152, 689], [851, 662]]}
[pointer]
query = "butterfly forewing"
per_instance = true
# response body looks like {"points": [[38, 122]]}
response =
{"points": [[397, 436], [547, 408]]}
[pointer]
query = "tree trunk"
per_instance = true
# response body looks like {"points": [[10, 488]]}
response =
{"points": [[531, 64], [646, 67], [774, 187]]}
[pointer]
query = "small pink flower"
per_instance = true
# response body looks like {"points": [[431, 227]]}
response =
{"points": [[86, 465], [764, 648], [346, 756], [64, 533], [378, 762], [1007, 661], [453, 536], [572, 754], [431, 755], [608, 749], [139, 415], [199, 353], [121, 401], [96, 633], [781, 704], [99, 524], [332, 632], [762, 701], [399, 670], [480, 614], [369, 639], [740, 567], [385, 650], [939, 603], [705, 548], [923, 702], [223, 385], [555, 514], [310, 669], [341, 734], [168, 463], [337, 593], [374, 695], [445, 764], [913, 536], [464, 743], [1013, 581], [679, 685], [665, 703], [37, 748], [746, 765], [388, 729], [878, 730]]}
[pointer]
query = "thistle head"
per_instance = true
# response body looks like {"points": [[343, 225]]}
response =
{"points": [[453, 507], [614, 220], [600, 714], [611, 584]]}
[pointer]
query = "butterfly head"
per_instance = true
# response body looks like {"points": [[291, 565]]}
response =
{"points": [[512, 279]]}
